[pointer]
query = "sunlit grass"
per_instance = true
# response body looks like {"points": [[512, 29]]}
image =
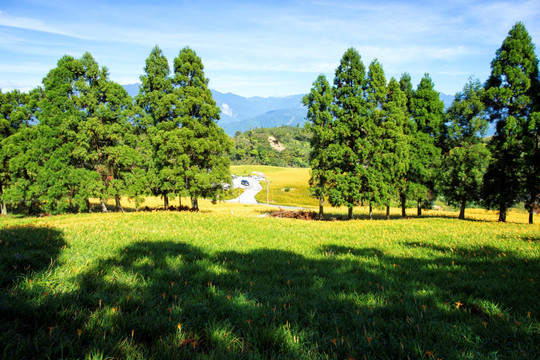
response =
{"points": [[226, 283]]}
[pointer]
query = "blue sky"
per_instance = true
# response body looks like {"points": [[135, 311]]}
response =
{"points": [[261, 48]]}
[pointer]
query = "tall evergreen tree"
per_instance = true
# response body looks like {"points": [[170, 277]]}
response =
{"points": [[531, 142], [511, 90], [395, 144], [319, 114], [160, 127], [428, 115], [74, 146], [105, 136], [377, 189], [464, 165], [15, 114], [206, 144], [409, 131], [352, 118], [66, 178]]}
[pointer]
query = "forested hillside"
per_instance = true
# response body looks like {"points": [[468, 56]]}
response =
{"points": [[280, 146]]}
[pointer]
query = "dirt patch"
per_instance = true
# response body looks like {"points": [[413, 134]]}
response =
{"points": [[276, 145], [171, 208], [301, 214]]}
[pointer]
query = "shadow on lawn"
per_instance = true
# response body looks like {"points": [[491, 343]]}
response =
{"points": [[26, 249], [25, 252], [168, 299]]}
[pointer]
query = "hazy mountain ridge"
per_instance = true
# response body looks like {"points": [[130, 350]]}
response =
{"points": [[240, 113]]}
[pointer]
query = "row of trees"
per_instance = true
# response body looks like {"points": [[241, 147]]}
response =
{"points": [[81, 136], [377, 141]]}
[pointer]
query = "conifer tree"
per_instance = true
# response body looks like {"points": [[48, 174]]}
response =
{"points": [[349, 183], [206, 144], [15, 114], [395, 144], [428, 114], [464, 165], [511, 91], [323, 147], [409, 131], [159, 124], [377, 189], [105, 135], [63, 173], [74, 147]]}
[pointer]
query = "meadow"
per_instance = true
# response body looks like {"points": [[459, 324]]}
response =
{"points": [[226, 283], [231, 282]]}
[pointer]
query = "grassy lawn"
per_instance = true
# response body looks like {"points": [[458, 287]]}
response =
{"points": [[225, 283]]}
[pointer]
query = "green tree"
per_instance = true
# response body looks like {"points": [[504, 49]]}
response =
{"points": [[75, 146], [15, 115], [66, 178], [163, 144], [105, 136], [319, 114], [428, 114], [395, 147], [377, 189], [349, 183], [409, 130], [531, 142], [511, 90], [206, 144], [464, 165]]}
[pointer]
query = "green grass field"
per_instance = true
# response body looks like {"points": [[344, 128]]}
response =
{"points": [[226, 283]]}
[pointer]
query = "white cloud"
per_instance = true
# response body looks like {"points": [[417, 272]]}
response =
{"points": [[31, 24], [226, 109]]}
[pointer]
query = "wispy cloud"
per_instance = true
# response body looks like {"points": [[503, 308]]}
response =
{"points": [[266, 47], [27, 23]]}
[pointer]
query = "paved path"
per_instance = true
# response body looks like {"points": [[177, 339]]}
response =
{"points": [[248, 196]]}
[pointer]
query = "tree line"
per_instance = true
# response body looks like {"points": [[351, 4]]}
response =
{"points": [[81, 136], [377, 141]]}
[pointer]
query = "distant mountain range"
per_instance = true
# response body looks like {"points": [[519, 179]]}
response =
{"points": [[239, 113]]}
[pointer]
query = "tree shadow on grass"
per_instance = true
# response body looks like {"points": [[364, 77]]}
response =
{"points": [[168, 300], [26, 252], [27, 249]]}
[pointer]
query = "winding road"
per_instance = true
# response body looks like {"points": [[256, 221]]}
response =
{"points": [[248, 196]]}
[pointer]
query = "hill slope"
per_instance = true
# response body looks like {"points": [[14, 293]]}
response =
{"points": [[279, 146]]}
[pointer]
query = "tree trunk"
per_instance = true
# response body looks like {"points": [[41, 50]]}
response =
{"points": [[179, 201], [165, 202], [462, 209], [502, 213], [419, 207], [531, 213], [3, 204], [350, 215], [194, 203], [387, 212], [103, 206], [118, 205], [321, 208], [370, 211], [403, 209], [88, 205]]}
